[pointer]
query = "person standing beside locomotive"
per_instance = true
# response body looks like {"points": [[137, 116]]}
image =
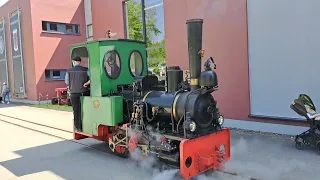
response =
{"points": [[78, 79]]}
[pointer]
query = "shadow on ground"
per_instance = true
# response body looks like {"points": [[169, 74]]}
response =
{"points": [[73, 162]]}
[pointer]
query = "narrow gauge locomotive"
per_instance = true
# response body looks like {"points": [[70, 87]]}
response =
{"points": [[177, 119]]}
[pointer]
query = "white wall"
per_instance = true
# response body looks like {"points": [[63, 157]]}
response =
{"points": [[284, 54]]}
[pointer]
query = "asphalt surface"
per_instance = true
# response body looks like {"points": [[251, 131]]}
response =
{"points": [[25, 154]]}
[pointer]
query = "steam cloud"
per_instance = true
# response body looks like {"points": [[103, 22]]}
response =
{"points": [[254, 158], [270, 159]]}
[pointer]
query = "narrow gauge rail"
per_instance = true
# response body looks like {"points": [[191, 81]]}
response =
{"points": [[73, 141], [23, 120]]}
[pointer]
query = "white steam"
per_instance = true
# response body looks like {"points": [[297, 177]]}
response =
{"points": [[254, 157], [165, 175], [147, 165], [270, 159]]}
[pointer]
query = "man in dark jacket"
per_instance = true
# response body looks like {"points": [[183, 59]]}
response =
{"points": [[78, 79]]}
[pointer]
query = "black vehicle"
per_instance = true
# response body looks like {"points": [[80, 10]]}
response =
{"points": [[306, 108]]}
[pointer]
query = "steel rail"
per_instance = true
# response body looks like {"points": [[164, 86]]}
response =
{"points": [[31, 122]]}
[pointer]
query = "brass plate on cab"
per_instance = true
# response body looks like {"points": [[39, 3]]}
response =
{"points": [[96, 104]]}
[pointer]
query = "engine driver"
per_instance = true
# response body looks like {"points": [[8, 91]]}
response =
{"points": [[78, 79], [111, 61]]}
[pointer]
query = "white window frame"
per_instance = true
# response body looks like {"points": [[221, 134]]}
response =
{"points": [[89, 29]]}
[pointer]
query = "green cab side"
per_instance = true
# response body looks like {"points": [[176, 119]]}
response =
{"points": [[104, 106]]}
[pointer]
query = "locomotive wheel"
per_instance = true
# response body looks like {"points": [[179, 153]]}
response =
{"points": [[121, 152]]}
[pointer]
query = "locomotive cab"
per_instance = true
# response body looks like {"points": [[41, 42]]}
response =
{"points": [[113, 63]]}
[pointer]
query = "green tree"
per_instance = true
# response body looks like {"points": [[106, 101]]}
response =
{"points": [[156, 56]]}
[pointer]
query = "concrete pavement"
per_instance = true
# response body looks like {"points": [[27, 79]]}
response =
{"points": [[25, 154], [28, 154], [49, 117]]}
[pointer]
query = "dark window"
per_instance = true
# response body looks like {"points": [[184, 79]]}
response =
{"points": [[112, 64], [44, 26], [76, 29], [69, 28], [53, 27], [55, 74], [47, 73]]}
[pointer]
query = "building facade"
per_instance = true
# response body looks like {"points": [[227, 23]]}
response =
{"points": [[257, 46], [35, 37]]}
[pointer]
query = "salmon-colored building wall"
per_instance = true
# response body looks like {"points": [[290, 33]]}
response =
{"points": [[51, 51], [107, 14], [224, 38], [27, 43], [43, 50]]}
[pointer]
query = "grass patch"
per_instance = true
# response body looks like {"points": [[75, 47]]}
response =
{"points": [[55, 107]]}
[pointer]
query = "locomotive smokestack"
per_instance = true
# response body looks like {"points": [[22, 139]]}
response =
{"points": [[194, 33]]}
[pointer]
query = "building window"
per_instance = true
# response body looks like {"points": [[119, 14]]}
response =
{"points": [[44, 26], [154, 13], [89, 31], [62, 28], [53, 27], [69, 28], [56, 74], [76, 29], [52, 75]]}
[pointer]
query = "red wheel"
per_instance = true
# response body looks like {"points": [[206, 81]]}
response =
{"points": [[121, 151], [132, 145]]}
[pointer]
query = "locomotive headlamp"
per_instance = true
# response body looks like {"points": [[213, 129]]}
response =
{"points": [[221, 120], [192, 126]]}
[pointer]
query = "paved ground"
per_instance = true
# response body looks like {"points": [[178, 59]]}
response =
{"points": [[29, 155]]}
